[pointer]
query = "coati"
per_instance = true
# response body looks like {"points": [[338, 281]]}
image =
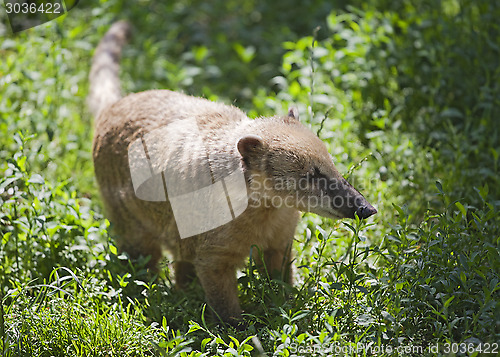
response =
{"points": [[196, 144]]}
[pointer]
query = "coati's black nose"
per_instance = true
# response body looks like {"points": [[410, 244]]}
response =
{"points": [[366, 211]]}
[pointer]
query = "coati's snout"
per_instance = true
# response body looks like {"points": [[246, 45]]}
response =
{"points": [[333, 197], [346, 202], [366, 211]]}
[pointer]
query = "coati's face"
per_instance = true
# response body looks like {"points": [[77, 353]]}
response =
{"points": [[287, 165]]}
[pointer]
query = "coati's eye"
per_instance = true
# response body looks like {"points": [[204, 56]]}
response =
{"points": [[318, 179], [313, 173]]}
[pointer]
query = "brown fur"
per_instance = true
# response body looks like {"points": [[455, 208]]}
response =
{"points": [[264, 149]]}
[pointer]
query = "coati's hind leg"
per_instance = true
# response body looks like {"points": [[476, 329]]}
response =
{"points": [[185, 273]]}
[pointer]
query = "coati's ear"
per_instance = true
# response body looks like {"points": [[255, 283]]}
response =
{"points": [[293, 112], [249, 144]]}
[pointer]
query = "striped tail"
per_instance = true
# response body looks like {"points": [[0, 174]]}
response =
{"points": [[104, 74]]}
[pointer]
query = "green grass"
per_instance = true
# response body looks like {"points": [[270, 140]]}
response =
{"points": [[404, 94]]}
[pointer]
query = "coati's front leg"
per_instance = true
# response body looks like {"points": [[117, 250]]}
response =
{"points": [[218, 279], [185, 273], [278, 263], [276, 258]]}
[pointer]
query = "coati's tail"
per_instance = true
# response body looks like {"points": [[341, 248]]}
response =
{"points": [[104, 74]]}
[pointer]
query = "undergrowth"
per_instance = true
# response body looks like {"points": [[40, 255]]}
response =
{"points": [[405, 95]]}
